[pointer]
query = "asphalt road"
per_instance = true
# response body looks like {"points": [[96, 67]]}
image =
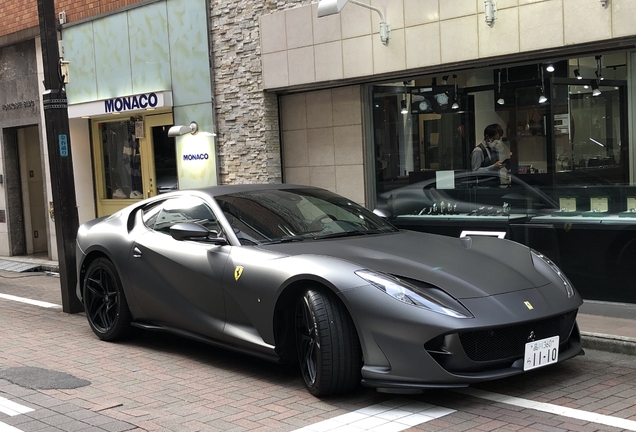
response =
{"points": [[55, 375]]}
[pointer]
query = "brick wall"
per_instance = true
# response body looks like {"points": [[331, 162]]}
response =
{"points": [[248, 141]]}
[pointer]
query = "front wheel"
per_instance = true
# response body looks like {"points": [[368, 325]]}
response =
{"points": [[104, 301], [328, 345]]}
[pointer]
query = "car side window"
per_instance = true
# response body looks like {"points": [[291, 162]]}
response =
{"points": [[183, 209]]}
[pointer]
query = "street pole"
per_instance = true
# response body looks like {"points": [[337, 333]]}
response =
{"points": [[60, 160]]}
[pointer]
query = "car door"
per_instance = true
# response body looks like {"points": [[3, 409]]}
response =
{"points": [[178, 283]]}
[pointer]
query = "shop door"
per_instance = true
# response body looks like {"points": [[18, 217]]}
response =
{"points": [[129, 155]]}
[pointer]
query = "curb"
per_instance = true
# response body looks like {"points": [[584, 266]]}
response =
{"points": [[610, 343]]}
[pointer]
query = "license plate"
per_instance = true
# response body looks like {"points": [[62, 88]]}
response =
{"points": [[541, 353]]}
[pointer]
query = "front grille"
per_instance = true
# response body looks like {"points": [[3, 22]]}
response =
{"points": [[502, 343]]}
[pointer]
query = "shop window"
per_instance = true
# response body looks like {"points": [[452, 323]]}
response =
{"points": [[121, 160]]}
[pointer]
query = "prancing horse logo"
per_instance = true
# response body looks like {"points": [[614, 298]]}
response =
{"points": [[238, 271], [528, 305]]}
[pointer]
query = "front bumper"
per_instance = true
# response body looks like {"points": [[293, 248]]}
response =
{"points": [[406, 347]]}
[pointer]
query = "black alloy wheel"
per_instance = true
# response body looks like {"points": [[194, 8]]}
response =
{"points": [[328, 346], [104, 301]]}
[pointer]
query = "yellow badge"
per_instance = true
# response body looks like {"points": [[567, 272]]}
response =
{"points": [[238, 271], [527, 303]]}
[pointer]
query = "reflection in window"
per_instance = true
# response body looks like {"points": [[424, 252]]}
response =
{"points": [[122, 162]]}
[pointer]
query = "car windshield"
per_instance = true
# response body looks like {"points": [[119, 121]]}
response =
{"points": [[286, 215]]}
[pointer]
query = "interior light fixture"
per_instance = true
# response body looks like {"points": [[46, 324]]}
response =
{"points": [[180, 130], [445, 79], [595, 90], [550, 68], [599, 73], [542, 96], [455, 104], [604, 2], [577, 72], [404, 110], [332, 7], [501, 100]]}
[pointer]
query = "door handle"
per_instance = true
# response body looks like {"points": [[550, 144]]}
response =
{"points": [[136, 252]]}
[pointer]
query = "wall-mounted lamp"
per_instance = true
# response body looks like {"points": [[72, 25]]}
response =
{"points": [[332, 7], [179, 130], [455, 104], [604, 2], [490, 10]]}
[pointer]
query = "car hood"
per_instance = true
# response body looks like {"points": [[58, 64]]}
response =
{"points": [[489, 266]]}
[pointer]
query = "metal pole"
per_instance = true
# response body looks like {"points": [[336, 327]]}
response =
{"points": [[60, 160]]}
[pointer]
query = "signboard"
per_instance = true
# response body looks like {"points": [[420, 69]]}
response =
{"points": [[121, 105]]}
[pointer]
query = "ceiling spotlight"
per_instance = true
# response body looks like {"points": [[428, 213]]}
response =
{"points": [[577, 74], [542, 97], [501, 100], [550, 68], [445, 79], [599, 76], [595, 90], [404, 110], [455, 105]]}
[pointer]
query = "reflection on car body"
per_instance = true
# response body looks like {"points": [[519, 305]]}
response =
{"points": [[299, 274]]}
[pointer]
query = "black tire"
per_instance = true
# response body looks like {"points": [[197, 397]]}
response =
{"points": [[327, 343], [104, 301]]}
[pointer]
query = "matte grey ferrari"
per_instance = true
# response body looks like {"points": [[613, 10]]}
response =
{"points": [[301, 275]]}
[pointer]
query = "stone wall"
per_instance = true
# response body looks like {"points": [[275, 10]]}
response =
{"points": [[248, 137]]}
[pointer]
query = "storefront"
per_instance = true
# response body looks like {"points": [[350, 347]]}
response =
{"points": [[563, 99], [25, 225], [133, 75]]}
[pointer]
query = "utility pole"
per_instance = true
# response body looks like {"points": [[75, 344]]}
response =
{"points": [[60, 160]]}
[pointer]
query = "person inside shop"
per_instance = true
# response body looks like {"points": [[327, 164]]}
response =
{"points": [[485, 156]]}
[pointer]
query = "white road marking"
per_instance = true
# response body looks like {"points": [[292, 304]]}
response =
{"points": [[391, 416], [29, 301], [12, 408], [7, 428], [553, 409]]}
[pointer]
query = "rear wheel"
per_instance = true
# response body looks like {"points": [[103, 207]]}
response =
{"points": [[104, 301], [328, 346]]}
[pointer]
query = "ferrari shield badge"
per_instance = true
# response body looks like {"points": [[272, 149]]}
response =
{"points": [[238, 271], [527, 303]]}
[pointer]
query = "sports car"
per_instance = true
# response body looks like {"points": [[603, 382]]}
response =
{"points": [[299, 274]]}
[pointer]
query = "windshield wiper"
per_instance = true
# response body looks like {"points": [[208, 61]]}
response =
{"points": [[284, 240], [342, 234]]}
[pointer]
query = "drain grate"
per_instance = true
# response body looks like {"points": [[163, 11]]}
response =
{"points": [[19, 267]]}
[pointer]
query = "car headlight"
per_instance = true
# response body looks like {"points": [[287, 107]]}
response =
{"points": [[431, 298], [539, 258]]}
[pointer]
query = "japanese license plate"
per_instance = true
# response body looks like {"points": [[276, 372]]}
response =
{"points": [[541, 353]]}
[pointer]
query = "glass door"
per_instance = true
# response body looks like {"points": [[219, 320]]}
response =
{"points": [[129, 154]]}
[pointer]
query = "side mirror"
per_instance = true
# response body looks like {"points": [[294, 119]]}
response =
{"points": [[193, 231]]}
